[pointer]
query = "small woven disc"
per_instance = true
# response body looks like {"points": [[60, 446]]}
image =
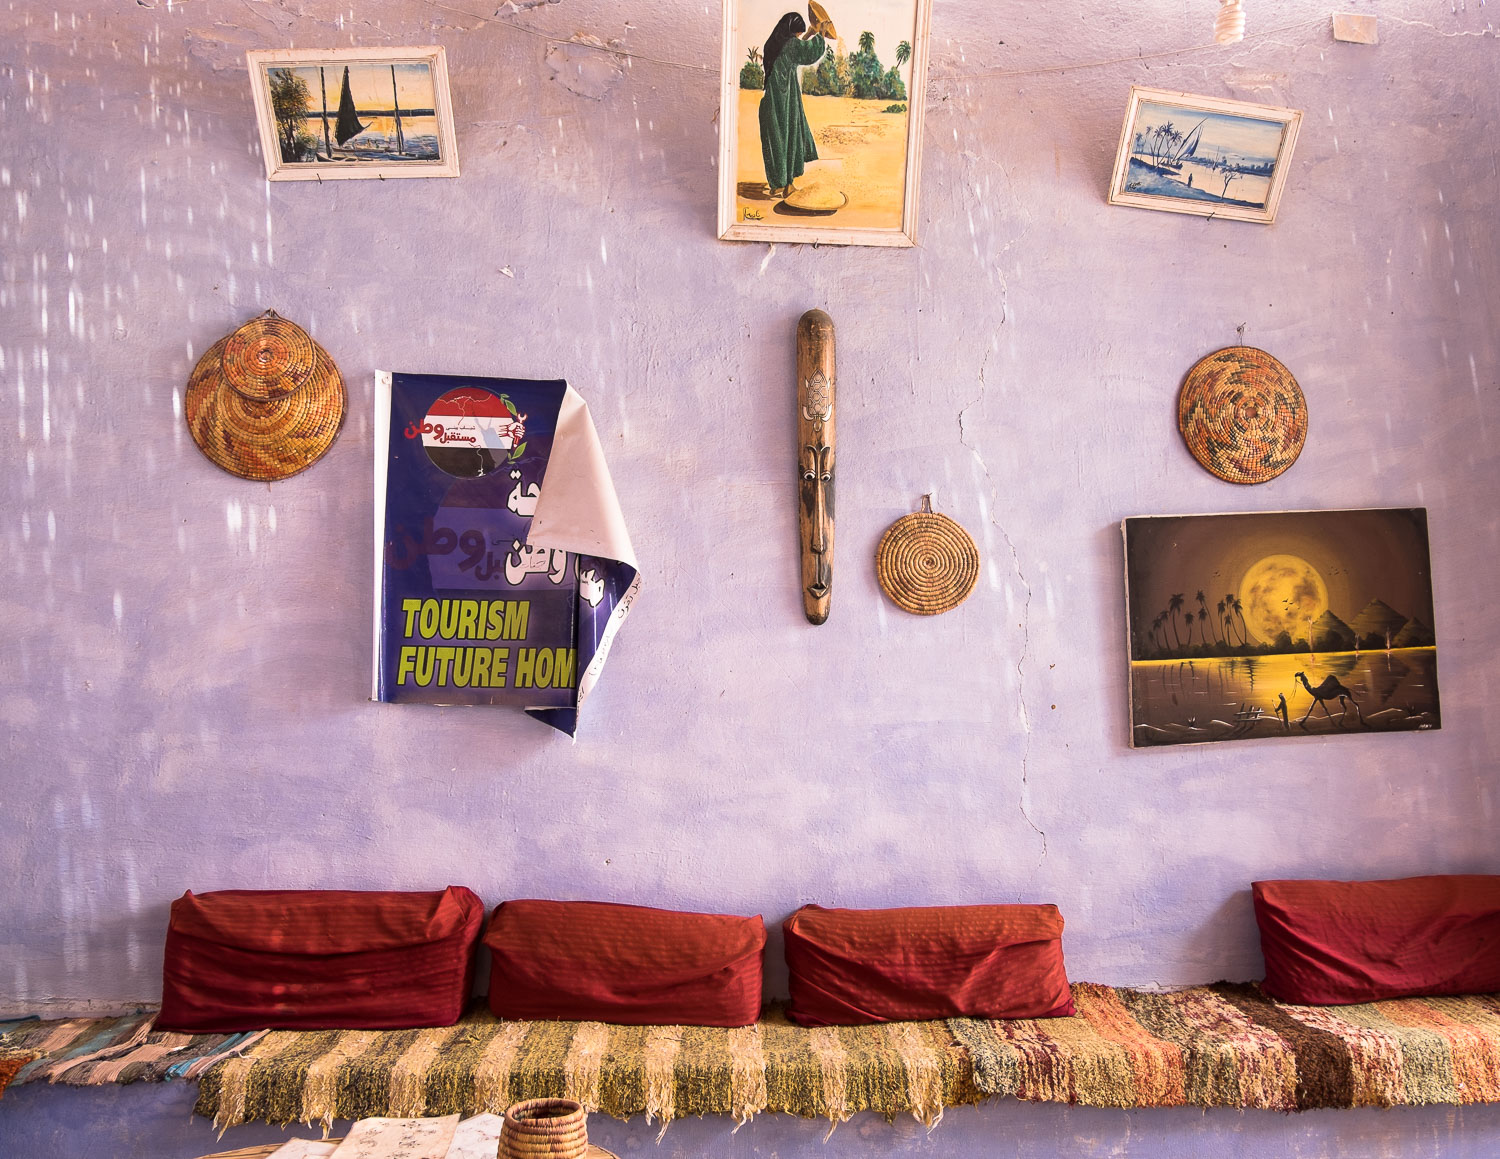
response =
{"points": [[269, 357], [1242, 415], [927, 563], [263, 439]]}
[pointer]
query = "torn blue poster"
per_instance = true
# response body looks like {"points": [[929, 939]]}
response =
{"points": [[503, 568]]}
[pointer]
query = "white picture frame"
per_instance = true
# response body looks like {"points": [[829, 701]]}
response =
{"points": [[303, 98], [1160, 165], [868, 154]]}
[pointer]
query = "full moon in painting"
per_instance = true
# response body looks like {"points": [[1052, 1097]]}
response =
{"points": [[1282, 593]]}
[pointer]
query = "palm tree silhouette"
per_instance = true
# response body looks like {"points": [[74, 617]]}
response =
{"points": [[1174, 605], [1203, 616], [1166, 136], [867, 42], [903, 53], [1232, 602]]}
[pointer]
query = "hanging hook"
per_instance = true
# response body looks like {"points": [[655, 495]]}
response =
{"points": [[927, 503]]}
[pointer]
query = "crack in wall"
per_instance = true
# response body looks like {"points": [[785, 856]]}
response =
{"points": [[1015, 558], [1487, 30]]}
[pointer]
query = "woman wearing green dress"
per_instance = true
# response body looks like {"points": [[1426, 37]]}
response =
{"points": [[786, 143]]}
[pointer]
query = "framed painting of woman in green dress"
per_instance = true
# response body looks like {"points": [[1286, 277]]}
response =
{"points": [[820, 121]]}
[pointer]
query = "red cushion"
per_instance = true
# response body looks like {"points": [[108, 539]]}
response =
{"points": [[318, 959], [1332, 942], [599, 962], [851, 966]]}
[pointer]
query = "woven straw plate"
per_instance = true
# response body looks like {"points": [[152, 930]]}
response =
{"points": [[1242, 415], [927, 563], [269, 358], [266, 401]]}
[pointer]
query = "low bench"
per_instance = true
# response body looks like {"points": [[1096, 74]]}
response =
{"points": [[1225, 1045]]}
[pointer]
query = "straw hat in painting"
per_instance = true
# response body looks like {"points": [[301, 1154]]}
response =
{"points": [[266, 401], [818, 21]]}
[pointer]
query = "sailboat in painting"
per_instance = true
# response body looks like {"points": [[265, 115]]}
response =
{"points": [[348, 125]]}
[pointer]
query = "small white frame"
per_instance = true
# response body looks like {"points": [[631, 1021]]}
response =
{"points": [[350, 166], [1232, 125]]}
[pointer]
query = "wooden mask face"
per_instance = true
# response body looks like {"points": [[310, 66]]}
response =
{"points": [[815, 460]]}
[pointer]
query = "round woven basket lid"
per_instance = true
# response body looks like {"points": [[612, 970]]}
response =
{"points": [[264, 439], [269, 357], [1242, 415], [927, 563]]}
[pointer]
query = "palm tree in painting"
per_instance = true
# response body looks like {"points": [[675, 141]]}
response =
{"points": [[1232, 602], [1220, 620], [903, 53], [1164, 139], [1174, 605], [867, 42], [1203, 616], [1228, 625]]}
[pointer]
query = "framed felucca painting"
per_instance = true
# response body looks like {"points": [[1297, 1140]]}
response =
{"points": [[354, 112], [820, 120], [1203, 155], [1283, 624]]}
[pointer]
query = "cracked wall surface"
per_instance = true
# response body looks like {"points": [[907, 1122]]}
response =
{"points": [[187, 653]]}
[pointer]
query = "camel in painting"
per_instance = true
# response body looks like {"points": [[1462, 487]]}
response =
{"points": [[1328, 690]]}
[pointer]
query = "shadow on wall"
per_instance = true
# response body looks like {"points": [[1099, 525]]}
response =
{"points": [[1226, 942], [1109, 595]]}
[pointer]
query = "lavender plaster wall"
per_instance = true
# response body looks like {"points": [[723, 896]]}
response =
{"points": [[186, 653]]}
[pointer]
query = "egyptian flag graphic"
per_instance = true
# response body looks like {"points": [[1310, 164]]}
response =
{"points": [[469, 432]]}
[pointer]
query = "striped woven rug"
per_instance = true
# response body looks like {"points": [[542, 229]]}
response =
{"points": [[99, 1051], [663, 1072], [1228, 1045], [1211, 1046]]}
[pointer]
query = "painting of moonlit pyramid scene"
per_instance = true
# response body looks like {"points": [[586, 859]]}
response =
{"points": [[1287, 624]]}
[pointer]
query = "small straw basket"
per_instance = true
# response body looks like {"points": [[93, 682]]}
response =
{"points": [[545, 1129]]}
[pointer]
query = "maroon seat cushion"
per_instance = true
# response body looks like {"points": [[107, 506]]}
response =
{"points": [[852, 966], [1333, 942], [599, 962], [318, 959]]}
